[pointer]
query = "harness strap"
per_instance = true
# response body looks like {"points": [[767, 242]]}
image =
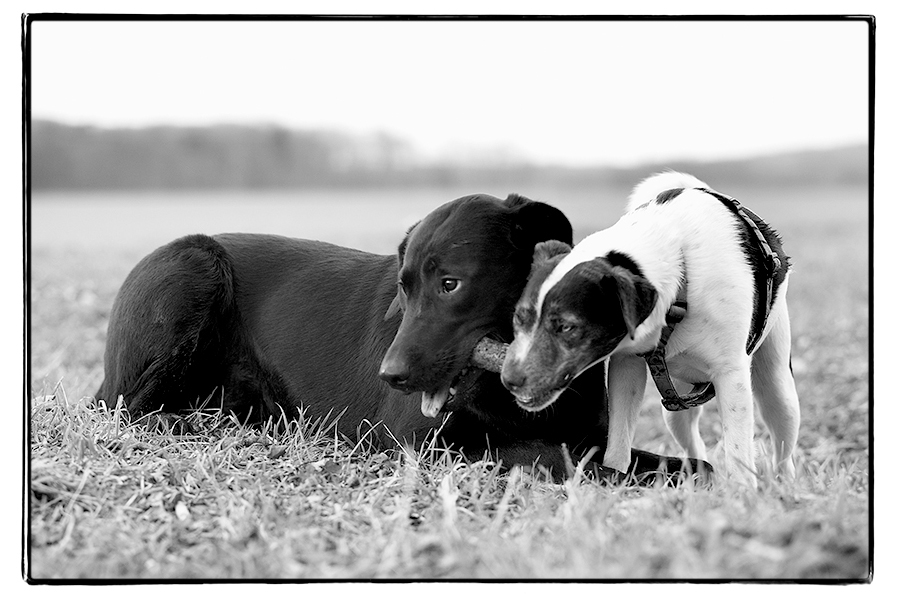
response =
{"points": [[701, 393]]}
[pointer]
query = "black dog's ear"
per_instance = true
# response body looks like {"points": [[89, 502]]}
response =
{"points": [[537, 222], [544, 251], [397, 304], [394, 308], [637, 297], [401, 249]]}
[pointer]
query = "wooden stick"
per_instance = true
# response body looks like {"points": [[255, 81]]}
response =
{"points": [[489, 355]]}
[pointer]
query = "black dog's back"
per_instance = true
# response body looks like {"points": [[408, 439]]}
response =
{"points": [[261, 322], [170, 326]]}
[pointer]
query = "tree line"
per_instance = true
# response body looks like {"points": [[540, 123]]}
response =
{"points": [[68, 157]]}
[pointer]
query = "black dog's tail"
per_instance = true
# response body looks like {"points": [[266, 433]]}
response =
{"points": [[171, 328]]}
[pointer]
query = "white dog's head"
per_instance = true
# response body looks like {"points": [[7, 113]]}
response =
{"points": [[579, 321]]}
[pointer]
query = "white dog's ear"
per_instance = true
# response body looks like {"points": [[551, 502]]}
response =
{"points": [[637, 297]]}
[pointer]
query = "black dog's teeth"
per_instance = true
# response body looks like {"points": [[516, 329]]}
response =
{"points": [[455, 381]]}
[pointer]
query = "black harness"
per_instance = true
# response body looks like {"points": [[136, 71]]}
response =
{"points": [[656, 358]]}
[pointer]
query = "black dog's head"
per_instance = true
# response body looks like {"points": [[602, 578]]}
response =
{"points": [[462, 268], [570, 317]]}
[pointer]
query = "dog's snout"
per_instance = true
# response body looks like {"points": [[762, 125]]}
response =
{"points": [[513, 380], [395, 373]]}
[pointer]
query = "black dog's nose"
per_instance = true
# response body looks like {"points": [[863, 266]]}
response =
{"points": [[396, 375]]}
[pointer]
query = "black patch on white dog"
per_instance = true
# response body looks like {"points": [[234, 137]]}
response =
{"points": [[756, 257], [620, 259], [668, 195]]}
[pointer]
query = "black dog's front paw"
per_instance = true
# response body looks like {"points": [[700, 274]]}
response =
{"points": [[606, 475], [647, 468]]}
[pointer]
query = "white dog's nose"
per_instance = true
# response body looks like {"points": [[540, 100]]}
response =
{"points": [[513, 379]]}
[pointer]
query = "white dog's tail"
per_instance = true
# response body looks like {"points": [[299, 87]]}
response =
{"points": [[647, 190]]}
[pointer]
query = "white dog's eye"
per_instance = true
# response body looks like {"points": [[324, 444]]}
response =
{"points": [[449, 285]]}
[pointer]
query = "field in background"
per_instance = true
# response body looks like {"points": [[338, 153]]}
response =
{"points": [[84, 245]]}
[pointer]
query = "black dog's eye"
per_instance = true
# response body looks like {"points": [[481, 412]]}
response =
{"points": [[449, 285]]}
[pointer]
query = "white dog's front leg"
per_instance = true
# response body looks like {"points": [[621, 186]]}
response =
{"points": [[627, 378]]}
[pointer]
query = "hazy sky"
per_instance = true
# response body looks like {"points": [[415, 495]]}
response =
{"points": [[579, 91]]}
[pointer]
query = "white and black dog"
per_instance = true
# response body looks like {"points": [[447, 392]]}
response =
{"points": [[609, 297]]}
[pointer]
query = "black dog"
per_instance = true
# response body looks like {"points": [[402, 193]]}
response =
{"points": [[269, 322]]}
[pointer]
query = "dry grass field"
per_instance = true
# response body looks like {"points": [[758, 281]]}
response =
{"points": [[110, 499]]}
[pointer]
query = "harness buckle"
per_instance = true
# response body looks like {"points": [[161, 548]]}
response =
{"points": [[676, 313], [773, 264]]}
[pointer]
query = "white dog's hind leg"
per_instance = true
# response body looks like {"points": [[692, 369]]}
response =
{"points": [[684, 425], [627, 379], [736, 409], [774, 389]]}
